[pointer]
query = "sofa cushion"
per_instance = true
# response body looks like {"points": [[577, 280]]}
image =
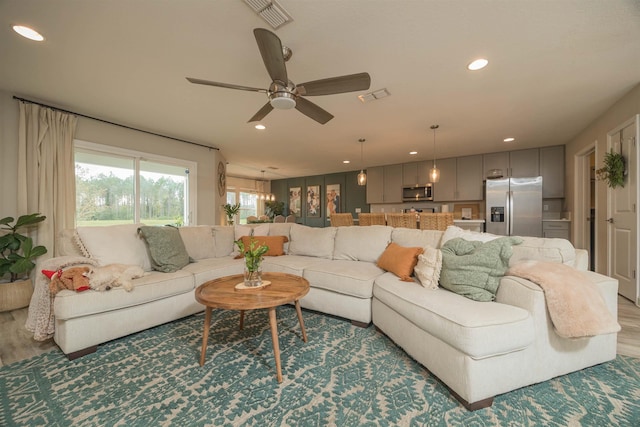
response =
{"points": [[479, 329], [213, 268], [166, 248], [292, 264], [399, 260], [115, 244], [281, 229], [354, 278], [357, 243], [413, 237], [223, 238], [428, 268], [198, 240], [154, 286], [274, 243], [312, 241], [544, 249], [473, 269], [453, 231]]}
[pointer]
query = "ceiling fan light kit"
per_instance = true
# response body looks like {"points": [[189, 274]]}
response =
{"points": [[283, 94]]}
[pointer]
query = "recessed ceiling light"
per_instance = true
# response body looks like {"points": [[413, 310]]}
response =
{"points": [[413, 152], [346, 161], [509, 139], [27, 32], [260, 127], [478, 64]]}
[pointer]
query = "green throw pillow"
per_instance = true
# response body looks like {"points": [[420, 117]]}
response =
{"points": [[474, 269], [167, 250]]}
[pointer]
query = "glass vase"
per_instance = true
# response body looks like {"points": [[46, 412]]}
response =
{"points": [[252, 273]]}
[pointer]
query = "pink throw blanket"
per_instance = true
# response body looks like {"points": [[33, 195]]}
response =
{"points": [[576, 307]]}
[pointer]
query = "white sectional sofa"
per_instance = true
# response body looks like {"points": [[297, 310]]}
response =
{"points": [[477, 349]]}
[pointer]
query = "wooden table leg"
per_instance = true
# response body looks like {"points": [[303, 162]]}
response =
{"points": [[274, 339], [205, 334], [241, 319], [304, 333]]}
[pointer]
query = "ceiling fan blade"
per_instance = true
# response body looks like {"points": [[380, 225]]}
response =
{"points": [[272, 56], [266, 109], [333, 85], [311, 110], [227, 85]]}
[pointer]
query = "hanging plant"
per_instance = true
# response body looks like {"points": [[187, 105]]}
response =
{"points": [[613, 170]]}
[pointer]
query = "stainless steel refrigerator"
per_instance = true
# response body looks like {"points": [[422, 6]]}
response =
{"points": [[514, 206]]}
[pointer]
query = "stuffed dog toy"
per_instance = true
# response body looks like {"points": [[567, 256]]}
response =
{"points": [[113, 275], [72, 278]]}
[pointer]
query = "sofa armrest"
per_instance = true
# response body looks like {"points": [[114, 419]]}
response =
{"points": [[582, 260], [529, 296]]}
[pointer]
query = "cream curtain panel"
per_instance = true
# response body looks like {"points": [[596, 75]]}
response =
{"points": [[46, 170]]}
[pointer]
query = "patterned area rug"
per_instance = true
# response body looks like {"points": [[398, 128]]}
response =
{"points": [[344, 376]]}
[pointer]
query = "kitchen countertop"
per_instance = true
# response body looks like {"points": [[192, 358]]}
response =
{"points": [[477, 221], [556, 220]]}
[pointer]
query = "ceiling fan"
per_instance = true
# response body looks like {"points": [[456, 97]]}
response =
{"points": [[283, 93]]}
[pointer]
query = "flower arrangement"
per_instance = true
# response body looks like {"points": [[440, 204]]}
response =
{"points": [[231, 211], [613, 170], [252, 254]]}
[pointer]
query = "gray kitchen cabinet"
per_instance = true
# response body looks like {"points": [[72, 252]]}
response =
{"points": [[460, 179], [518, 164], [469, 178], [445, 189], [384, 184], [415, 173], [524, 163], [552, 171], [499, 161], [556, 229]]}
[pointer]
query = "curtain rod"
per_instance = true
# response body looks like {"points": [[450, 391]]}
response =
{"points": [[115, 124]]}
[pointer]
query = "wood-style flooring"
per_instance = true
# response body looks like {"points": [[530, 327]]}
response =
{"points": [[16, 343]]}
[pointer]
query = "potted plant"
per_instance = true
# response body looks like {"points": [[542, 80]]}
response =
{"points": [[613, 170], [17, 254], [252, 261], [231, 211], [273, 208]]}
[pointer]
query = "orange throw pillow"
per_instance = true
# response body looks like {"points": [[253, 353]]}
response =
{"points": [[275, 243], [399, 260]]}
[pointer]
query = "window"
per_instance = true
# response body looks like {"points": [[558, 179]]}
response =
{"points": [[117, 186], [248, 200]]}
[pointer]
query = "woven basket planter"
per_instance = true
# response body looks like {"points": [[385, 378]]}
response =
{"points": [[15, 295]]}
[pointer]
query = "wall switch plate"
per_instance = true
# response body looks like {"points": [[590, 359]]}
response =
{"points": [[358, 210]]}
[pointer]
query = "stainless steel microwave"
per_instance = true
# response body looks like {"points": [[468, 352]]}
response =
{"points": [[417, 193]]}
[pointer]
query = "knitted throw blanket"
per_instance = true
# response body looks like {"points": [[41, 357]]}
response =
{"points": [[41, 319], [576, 306]]}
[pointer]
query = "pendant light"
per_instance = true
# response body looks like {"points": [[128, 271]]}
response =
{"points": [[362, 177], [434, 172]]}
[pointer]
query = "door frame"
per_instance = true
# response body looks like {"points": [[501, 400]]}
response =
{"points": [[582, 191]]}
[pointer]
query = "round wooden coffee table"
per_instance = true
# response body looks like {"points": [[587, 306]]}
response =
{"points": [[222, 293]]}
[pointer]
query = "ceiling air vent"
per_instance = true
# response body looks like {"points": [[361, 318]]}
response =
{"points": [[270, 11]]}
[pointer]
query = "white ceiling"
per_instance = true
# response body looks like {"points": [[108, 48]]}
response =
{"points": [[554, 67]]}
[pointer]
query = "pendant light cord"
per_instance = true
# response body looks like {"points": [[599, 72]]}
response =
{"points": [[434, 127]]}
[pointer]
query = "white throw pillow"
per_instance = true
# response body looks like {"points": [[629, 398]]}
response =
{"points": [[115, 244], [428, 268], [453, 231]]}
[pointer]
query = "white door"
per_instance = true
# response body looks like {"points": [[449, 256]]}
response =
{"points": [[622, 215]]}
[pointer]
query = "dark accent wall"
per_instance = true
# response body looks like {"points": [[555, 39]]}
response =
{"points": [[352, 195]]}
